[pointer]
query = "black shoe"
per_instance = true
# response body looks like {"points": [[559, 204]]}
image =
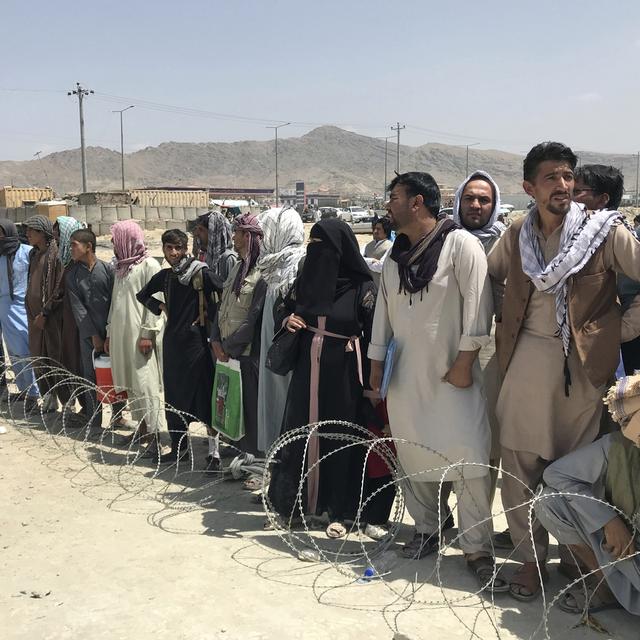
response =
{"points": [[422, 545], [214, 466], [503, 540]]}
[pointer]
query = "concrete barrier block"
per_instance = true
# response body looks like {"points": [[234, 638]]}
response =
{"points": [[151, 213], [102, 229], [124, 213], [200, 211], [3, 213], [153, 225], [94, 214], [79, 212], [176, 224], [177, 213], [164, 213], [20, 214], [137, 213], [109, 214]]}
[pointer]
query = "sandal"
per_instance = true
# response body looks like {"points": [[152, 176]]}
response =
{"points": [[336, 530], [526, 579], [578, 601], [487, 574]]}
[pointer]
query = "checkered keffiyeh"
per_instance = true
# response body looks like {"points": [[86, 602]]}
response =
{"points": [[582, 234]]}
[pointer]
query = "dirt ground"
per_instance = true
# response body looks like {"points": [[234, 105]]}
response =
{"points": [[95, 545], [94, 548]]}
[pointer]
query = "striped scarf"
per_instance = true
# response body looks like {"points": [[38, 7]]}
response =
{"points": [[582, 234]]}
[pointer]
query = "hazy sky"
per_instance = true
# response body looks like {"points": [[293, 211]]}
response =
{"points": [[505, 74]]}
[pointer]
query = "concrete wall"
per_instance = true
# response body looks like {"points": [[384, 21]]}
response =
{"points": [[101, 217]]}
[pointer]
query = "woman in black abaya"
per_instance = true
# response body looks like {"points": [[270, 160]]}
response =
{"points": [[332, 305]]}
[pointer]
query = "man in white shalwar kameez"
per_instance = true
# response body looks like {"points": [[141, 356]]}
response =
{"points": [[135, 334], [435, 301]]}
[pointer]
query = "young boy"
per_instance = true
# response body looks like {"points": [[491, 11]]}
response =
{"points": [[189, 287], [89, 285]]}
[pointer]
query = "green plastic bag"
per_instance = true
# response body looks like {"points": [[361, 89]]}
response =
{"points": [[226, 401]]}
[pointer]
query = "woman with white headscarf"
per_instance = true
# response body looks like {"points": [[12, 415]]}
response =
{"points": [[282, 250]]}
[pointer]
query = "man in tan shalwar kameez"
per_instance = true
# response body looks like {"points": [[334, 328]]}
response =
{"points": [[558, 336]]}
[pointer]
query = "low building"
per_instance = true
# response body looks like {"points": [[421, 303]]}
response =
{"points": [[24, 196], [105, 197]]}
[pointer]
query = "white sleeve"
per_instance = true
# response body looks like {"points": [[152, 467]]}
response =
{"points": [[470, 269], [381, 332]]}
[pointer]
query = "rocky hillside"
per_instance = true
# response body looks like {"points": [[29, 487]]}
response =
{"points": [[327, 158]]}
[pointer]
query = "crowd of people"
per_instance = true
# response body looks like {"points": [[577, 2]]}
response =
{"points": [[388, 339]]}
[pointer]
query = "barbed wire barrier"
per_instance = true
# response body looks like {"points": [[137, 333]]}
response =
{"points": [[398, 588]]}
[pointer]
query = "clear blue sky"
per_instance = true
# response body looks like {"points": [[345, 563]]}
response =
{"points": [[505, 74]]}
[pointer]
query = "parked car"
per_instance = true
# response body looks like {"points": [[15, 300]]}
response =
{"points": [[329, 212], [357, 214], [506, 209], [446, 211], [363, 225], [311, 215]]}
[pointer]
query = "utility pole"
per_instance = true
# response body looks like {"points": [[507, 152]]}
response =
{"points": [[398, 128], [275, 128], [38, 155], [466, 167], [386, 157], [82, 93], [121, 111]]}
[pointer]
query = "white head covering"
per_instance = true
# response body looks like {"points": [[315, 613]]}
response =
{"points": [[494, 228], [282, 247]]}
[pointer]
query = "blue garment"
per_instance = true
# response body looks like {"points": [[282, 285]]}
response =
{"points": [[13, 318]]}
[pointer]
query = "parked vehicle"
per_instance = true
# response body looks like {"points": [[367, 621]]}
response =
{"points": [[328, 212], [363, 225], [357, 214]]}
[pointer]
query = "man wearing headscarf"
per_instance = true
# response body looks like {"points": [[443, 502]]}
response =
{"points": [[44, 304], [476, 208], [435, 301], [14, 268], [189, 288], [282, 251], [134, 333], [236, 329], [214, 238], [63, 227], [592, 504]]}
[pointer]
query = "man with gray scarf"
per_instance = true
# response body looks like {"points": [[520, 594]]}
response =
{"points": [[476, 208]]}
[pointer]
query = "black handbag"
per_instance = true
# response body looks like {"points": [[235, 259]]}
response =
{"points": [[283, 352]]}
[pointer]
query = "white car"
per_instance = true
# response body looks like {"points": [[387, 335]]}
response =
{"points": [[356, 214]]}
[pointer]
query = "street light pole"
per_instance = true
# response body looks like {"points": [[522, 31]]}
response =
{"points": [[121, 111], [275, 128], [81, 92], [466, 168]]}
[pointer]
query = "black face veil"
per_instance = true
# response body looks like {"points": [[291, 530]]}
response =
{"points": [[333, 265]]}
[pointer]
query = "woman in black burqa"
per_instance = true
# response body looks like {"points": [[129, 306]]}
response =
{"points": [[331, 304]]}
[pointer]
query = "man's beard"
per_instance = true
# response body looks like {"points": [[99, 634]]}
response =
{"points": [[559, 210]]}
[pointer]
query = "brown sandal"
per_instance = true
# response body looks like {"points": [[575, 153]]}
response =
{"points": [[526, 578]]}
